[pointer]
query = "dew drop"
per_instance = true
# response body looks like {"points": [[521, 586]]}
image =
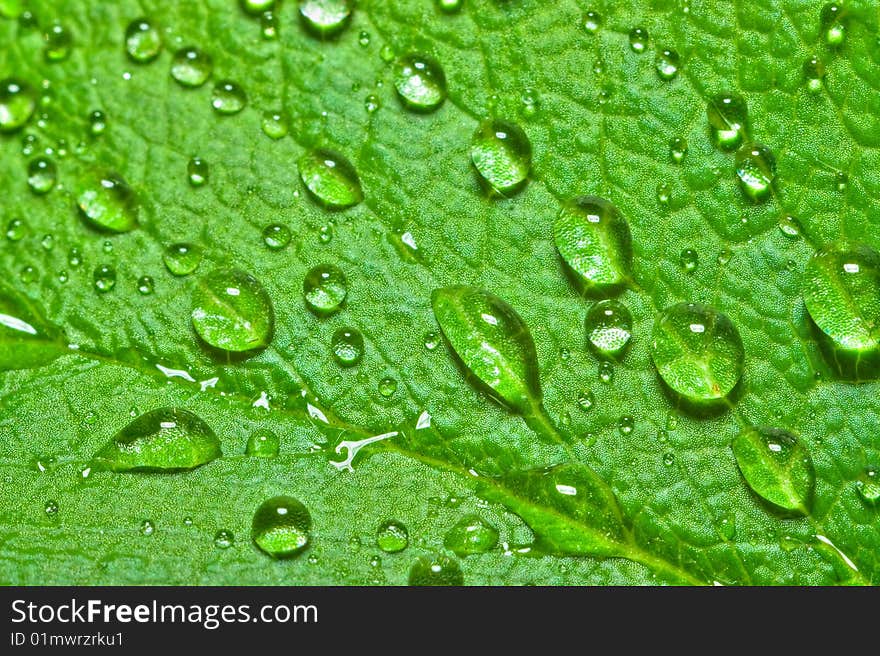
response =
{"points": [[269, 24], [326, 17], [667, 64], [814, 74], [625, 425], [324, 289], [664, 193], [392, 536], [109, 204], [833, 20], [586, 400], [678, 148], [104, 278], [364, 39], [502, 154], [263, 443], [228, 98], [728, 118], [276, 236], [530, 103], [145, 285], [51, 508], [182, 259], [197, 171], [143, 41], [97, 122], [41, 175], [74, 257], [347, 346], [449, 6], [606, 372], [28, 274], [231, 311], [331, 179], [790, 227], [387, 387], [15, 230], [724, 256], [257, 7], [223, 539], [638, 39], [274, 125], [372, 103], [431, 341], [592, 22], [841, 181], [191, 67], [386, 53], [58, 43], [609, 329], [471, 535], [689, 260], [439, 570], [668, 458], [281, 527], [420, 82], [868, 486], [147, 527], [756, 169], [18, 102]]}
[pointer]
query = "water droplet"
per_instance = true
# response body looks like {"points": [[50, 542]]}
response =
{"points": [[104, 278], [678, 148], [626, 425], [182, 259], [833, 19], [197, 171], [347, 346], [592, 22], [145, 285], [420, 82], [668, 458], [530, 103], [698, 352], [51, 508], [841, 288], [281, 527], [187, 521], [756, 169], [324, 289], [28, 274], [667, 64], [364, 39], [74, 257], [263, 443], [471, 535], [58, 43], [449, 6], [392, 536], [790, 227], [224, 539], [728, 118], [606, 372], [97, 122], [15, 230], [664, 193], [609, 329], [326, 17], [502, 155], [814, 74], [147, 527], [868, 486], [228, 98], [432, 340], [143, 41], [231, 311], [330, 178], [269, 24], [257, 7], [274, 125], [386, 53], [777, 467], [439, 570], [594, 240], [41, 175], [841, 181], [191, 67], [372, 103], [276, 236], [638, 39], [724, 256], [18, 102], [689, 260], [586, 400], [109, 204], [387, 387]]}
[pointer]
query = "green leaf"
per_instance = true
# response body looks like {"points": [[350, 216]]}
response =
{"points": [[418, 196]]}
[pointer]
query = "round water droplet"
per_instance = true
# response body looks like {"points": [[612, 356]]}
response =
{"points": [[689, 260], [698, 352], [678, 148], [281, 527], [182, 259], [197, 171], [868, 486], [756, 169], [143, 41], [347, 346], [668, 459], [326, 17], [609, 329], [276, 236], [387, 387], [109, 204], [274, 125], [502, 155], [51, 508], [263, 443], [626, 425], [392, 536], [41, 175], [330, 178], [841, 289], [228, 98], [145, 285], [814, 74], [439, 570], [28, 274], [449, 6], [17, 104], [224, 539], [147, 527], [833, 20], [256, 7], [232, 312], [586, 400], [790, 227], [777, 467], [324, 289], [104, 278], [667, 64], [592, 22], [420, 82], [728, 118], [372, 103], [58, 43], [191, 67], [471, 535], [162, 440], [432, 340], [594, 240], [15, 230], [97, 122], [638, 39]]}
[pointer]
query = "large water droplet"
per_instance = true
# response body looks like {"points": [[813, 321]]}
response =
{"points": [[263, 443], [276, 236], [191, 67], [728, 119], [326, 17], [182, 259], [324, 289], [257, 7], [58, 43], [228, 98], [347, 346], [420, 82], [26, 339], [697, 351], [392, 536], [41, 175], [609, 329], [471, 535], [449, 6], [143, 41], [330, 178], [281, 527], [162, 440], [502, 155], [17, 104], [594, 240], [833, 20], [232, 312], [439, 570], [777, 467], [109, 204], [756, 169]]}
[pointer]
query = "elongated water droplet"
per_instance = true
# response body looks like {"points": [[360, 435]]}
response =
{"points": [[197, 171], [728, 119], [276, 236], [326, 17], [493, 342], [269, 24], [790, 227], [626, 425], [257, 7], [667, 64], [868, 486], [638, 39], [41, 175], [502, 155], [18, 101], [182, 259], [814, 74], [109, 204], [689, 260], [228, 98], [777, 467], [392, 536], [609, 329], [191, 67], [330, 178], [232, 312], [439, 570], [594, 241], [162, 440], [697, 351], [678, 148], [143, 41], [347, 346], [756, 169], [263, 443], [58, 43], [104, 278], [97, 122], [420, 82], [471, 535], [833, 20], [281, 527], [324, 289]]}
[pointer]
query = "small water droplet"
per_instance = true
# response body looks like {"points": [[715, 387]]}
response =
{"points": [[586, 400], [15, 230], [592, 22], [276, 236], [182, 259], [668, 458], [814, 74], [606, 372], [58, 43], [502, 154], [868, 486], [143, 41], [667, 64], [269, 25], [28, 274], [609, 329], [51, 508], [223, 539], [197, 171], [74, 257], [841, 181], [625, 425], [689, 260], [728, 118], [347, 346], [372, 103], [41, 175], [281, 527], [420, 82], [664, 193], [263, 443], [833, 20], [678, 148], [530, 103], [145, 285], [439, 570], [756, 170], [386, 53], [107, 246], [727, 527], [471, 535], [109, 204], [18, 102], [790, 227], [638, 39], [330, 178], [274, 125], [147, 527], [104, 278], [191, 67], [324, 289], [228, 98], [231, 311], [97, 122], [387, 387], [432, 340], [724, 256], [392, 536]]}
